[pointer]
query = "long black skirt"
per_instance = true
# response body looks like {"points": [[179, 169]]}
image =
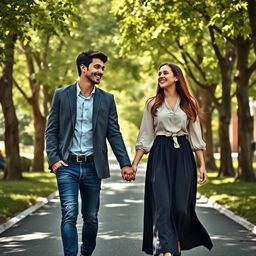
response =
{"points": [[170, 198]]}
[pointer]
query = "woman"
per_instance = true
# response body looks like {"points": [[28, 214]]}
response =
{"points": [[170, 130]]}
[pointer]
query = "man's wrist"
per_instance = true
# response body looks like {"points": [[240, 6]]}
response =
{"points": [[126, 166]]}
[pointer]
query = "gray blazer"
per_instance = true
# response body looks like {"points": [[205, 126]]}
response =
{"points": [[61, 125]]}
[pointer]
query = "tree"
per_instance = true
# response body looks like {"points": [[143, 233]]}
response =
{"points": [[245, 70], [37, 51], [177, 21], [11, 135], [13, 16], [235, 22], [17, 17]]}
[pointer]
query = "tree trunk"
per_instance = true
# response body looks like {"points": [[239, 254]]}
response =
{"points": [[13, 171], [226, 64], [206, 103], [39, 126], [226, 164], [207, 109], [245, 120], [39, 117]]}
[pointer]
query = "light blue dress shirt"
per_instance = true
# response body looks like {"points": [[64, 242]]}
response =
{"points": [[82, 143]]}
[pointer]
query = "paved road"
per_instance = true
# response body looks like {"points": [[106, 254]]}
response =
{"points": [[120, 226]]}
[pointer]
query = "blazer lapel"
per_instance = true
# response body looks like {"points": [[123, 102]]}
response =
{"points": [[72, 103], [96, 106]]}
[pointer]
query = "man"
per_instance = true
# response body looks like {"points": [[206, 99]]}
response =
{"points": [[81, 118]]}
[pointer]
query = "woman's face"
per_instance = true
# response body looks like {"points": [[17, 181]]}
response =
{"points": [[166, 77]]}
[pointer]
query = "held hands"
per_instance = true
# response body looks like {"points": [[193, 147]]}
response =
{"points": [[131, 173], [203, 175], [128, 173], [58, 164]]}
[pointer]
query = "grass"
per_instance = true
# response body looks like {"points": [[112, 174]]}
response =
{"points": [[16, 196], [239, 197]]}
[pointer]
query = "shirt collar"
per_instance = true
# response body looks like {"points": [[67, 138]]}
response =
{"points": [[78, 90]]}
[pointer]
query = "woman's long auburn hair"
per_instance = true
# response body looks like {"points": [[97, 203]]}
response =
{"points": [[188, 103]]}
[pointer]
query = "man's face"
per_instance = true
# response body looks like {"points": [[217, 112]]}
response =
{"points": [[94, 72]]}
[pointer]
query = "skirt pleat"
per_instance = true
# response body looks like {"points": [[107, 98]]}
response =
{"points": [[170, 198]]}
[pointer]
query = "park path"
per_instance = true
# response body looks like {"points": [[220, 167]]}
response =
{"points": [[120, 226]]}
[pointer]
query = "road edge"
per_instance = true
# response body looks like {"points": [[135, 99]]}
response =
{"points": [[223, 210], [20, 216]]}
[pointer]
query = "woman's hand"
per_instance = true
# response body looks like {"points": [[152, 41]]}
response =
{"points": [[201, 163], [136, 160], [134, 167], [203, 175]]}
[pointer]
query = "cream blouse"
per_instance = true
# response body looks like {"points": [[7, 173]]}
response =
{"points": [[168, 122]]}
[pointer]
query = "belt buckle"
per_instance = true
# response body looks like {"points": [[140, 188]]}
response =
{"points": [[79, 161]]}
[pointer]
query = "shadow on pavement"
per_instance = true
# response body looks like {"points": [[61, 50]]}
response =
{"points": [[120, 226]]}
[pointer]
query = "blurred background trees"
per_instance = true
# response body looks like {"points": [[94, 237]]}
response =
{"points": [[213, 41]]}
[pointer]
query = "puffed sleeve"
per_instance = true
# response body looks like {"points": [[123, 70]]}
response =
{"points": [[195, 135], [146, 134]]}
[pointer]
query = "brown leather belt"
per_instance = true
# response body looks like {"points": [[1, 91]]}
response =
{"points": [[80, 159]]}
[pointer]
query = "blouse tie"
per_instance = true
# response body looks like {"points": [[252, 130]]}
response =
{"points": [[175, 139]]}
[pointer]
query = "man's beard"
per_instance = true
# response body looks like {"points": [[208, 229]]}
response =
{"points": [[93, 82]]}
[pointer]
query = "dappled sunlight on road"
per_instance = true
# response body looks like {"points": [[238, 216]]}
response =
{"points": [[18, 244], [115, 205], [133, 201], [25, 237], [127, 235]]}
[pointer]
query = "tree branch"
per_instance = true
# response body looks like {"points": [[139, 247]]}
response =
{"points": [[192, 60], [214, 44], [191, 74], [30, 64], [210, 88], [46, 48], [252, 68], [206, 16], [28, 99], [170, 53], [37, 58]]}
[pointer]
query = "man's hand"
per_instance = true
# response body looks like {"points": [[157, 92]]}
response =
{"points": [[128, 173], [58, 164]]}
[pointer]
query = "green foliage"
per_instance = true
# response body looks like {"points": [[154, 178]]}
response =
{"points": [[20, 17], [140, 36], [14, 14], [170, 31], [54, 52], [229, 16], [173, 29]]}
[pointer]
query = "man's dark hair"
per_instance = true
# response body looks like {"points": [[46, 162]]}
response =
{"points": [[86, 58]]}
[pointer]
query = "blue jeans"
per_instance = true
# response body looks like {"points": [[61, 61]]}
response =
{"points": [[71, 179]]}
